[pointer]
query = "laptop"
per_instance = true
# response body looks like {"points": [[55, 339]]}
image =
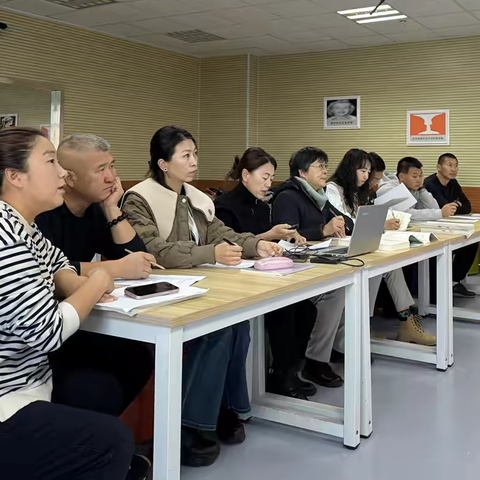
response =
{"points": [[367, 233]]}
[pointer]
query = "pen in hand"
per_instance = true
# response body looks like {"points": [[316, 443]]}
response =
{"points": [[155, 265]]}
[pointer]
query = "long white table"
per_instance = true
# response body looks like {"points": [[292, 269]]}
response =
{"points": [[235, 297], [169, 327]]}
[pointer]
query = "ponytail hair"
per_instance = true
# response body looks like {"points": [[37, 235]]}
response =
{"points": [[253, 158]]}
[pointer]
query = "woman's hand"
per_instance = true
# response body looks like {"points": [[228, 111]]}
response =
{"points": [[392, 224], [281, 232], [335, 227], [268, 249], [226, 254]]}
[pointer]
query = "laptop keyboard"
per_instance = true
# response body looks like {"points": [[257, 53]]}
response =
{"points": [[337, 251]]}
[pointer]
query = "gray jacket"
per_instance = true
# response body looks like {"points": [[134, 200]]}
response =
{"points": [[426, 207]]}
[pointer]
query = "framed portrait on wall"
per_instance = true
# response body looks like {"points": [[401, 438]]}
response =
{"points": [[8, 120], [45, 129], [428, 127], [341, 112]]}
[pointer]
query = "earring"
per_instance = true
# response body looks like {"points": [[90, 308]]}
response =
{"points": [[164, 169]]}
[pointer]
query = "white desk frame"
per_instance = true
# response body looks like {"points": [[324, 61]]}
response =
{"points": [[168, 371], [434, 355]]}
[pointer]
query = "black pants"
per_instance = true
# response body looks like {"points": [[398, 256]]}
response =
{"points": [[463, 259], [77, 436], [100, 373], [289, 330], [45, 441]]}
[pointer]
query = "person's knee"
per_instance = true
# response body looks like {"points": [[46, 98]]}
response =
{"points": [[116, 437]]}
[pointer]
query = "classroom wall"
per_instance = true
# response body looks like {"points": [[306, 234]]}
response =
{"points": [[391, 80], [32, 106], [223, 114], [115, 88]]}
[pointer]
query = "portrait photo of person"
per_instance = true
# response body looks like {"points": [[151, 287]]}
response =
{"points": [[342, 112], [8, 120]]}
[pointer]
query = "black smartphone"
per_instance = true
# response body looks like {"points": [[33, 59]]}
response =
{"points": [[294, 226], [151, 290]]}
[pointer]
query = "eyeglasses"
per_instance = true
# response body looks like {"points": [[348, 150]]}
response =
{"points": [[320, 166]]}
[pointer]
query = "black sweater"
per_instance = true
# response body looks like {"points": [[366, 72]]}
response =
{"points": [[80, 238], [451, 193], [243, 212], [293, 205]]}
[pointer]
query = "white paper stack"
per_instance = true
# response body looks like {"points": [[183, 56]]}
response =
{"points": [[131, 306]]}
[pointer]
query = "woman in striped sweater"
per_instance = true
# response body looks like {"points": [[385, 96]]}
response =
{"points": [[38, 439]]}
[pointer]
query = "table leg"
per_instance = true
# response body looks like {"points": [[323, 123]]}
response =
{"points": [[258, 347], [366, 413], [444, 310], [423, 287], [449, 263], [351, 407], [168, 404]]}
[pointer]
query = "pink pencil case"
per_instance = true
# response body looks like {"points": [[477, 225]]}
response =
{"points": [[274, 263]]}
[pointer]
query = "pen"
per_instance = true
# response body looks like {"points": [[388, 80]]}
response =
{"points": [[226, 240], [338, 214], [156, 265]]}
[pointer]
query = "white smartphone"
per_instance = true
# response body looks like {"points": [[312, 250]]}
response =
{"points": [[151, 290]]}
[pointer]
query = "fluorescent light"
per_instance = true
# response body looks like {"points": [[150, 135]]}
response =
{"points": [[371, 15], [364, 10], [382, 19]]}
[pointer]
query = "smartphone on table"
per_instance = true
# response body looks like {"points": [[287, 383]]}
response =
{"points": [[152, 290]]}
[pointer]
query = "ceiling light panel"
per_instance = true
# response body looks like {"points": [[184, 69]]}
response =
{"points": [[372, 14]]}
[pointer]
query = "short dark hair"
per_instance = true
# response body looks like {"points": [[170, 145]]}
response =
{"points": [[303, 158], [444, 156], [377, 161], [253, 158], [405, 164], [16, 145], [162, 146]]}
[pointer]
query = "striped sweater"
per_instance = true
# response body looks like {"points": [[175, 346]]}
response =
{"points": [[32, 322]]}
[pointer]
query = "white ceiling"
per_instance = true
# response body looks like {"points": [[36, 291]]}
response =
{"points": [[264, 27]]}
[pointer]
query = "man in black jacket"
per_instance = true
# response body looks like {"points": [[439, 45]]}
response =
{"points": [[445, 188], [302, 200]]}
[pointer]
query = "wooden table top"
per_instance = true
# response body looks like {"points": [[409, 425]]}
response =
{"points": [[231, 289]]}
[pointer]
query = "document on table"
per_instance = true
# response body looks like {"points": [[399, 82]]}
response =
{"points": [[402, 216], [178, 280], [242, 265], [295, 268], [399, 197], [131, 306]]}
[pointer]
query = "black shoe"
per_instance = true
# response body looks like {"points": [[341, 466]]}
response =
{"points": [[145, 449], [337, 357], [139, 468], [230, 429], [197, 449], [321, 374], [459, 290], [289, 385]]}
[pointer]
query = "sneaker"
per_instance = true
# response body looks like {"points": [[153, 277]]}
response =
{"points": [[459, 290], [411, 331], [139, 468], [230, 429], [321, 374], [197, 449]]}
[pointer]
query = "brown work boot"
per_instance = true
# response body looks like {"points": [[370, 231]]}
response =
{"points": [[411, 331]]}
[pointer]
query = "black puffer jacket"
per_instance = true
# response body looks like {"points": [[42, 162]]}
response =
{"points": [[293, 205]]}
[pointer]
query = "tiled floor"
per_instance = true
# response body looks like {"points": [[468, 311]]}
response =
{"points": [[426, 426]]}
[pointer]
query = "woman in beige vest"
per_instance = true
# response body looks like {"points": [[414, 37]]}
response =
{"points": [[178, 225]]}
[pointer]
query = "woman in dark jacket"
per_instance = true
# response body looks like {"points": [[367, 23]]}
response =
{"points": [[244, 210], [302, 200]]}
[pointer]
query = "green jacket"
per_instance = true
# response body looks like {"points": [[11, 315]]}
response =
{"points": [[160, 217]]}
